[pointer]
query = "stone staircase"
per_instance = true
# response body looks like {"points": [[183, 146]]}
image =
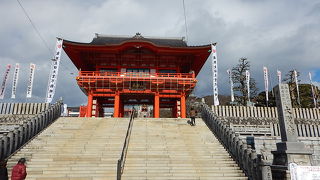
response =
{"points": [[75, 148], [88, 149], [172, 149]]}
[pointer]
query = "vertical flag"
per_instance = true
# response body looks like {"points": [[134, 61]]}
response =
{"points": [[296, 80], [5, 78], [279, 76], [231, 84], [312, 90], [54, 72], [30, 82], [215, 74], [266, 83], [248, 83], [15, 81]]}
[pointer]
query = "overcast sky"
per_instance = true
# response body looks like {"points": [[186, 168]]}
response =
{"points": [[278, 34]]}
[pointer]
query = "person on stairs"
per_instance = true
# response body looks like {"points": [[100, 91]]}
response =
{"points": [[19, 171], [3, 170], [193, 114]]}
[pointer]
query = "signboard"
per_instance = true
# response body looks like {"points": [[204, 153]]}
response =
{"points": [[214, 74], [30, 81], [304, 172], [248, 83], [3, 84], [266, 82], [231, 84], [15, 81], [54, 72]]}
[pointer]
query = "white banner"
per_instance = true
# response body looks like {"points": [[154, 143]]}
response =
{"points": [[5, 78], [279, 76], [30, 82], [248, 83], [15, 81], [215, 74], [231, 85], [304, 172], [54, 72], [266, 82], [296, 80], [312, 91]]}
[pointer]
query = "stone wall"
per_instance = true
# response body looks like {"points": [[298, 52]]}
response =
{"points": [[263, 112]]}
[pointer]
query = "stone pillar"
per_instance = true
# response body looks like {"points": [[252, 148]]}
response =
{"points": [[289, 150], [156, 106]]}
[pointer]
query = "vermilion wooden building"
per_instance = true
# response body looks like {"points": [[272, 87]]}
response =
{"points": [[118, 71]]}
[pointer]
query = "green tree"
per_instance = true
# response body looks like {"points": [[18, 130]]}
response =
{"points": [[290, 80], [305, 92], [240, 84], [261, 99]]}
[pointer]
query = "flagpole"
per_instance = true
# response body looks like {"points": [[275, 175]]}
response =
{"points": [[297, 86], [312, 90]]}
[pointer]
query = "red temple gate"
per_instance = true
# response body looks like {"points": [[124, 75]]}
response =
{"points": [[119, 71]]}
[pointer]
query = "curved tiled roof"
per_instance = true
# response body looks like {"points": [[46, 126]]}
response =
{"points": [[113, 40]]}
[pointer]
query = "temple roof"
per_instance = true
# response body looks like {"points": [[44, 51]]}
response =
{"points": [[108, 49], [113, 40]]}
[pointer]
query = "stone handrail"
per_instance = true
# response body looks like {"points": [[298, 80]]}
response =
{"points": [[247, 158], [121, 161], [10, 142]]}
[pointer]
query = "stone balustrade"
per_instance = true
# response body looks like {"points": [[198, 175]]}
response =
{"points": [[247, 158], [22, 108], [14, 139], [263, 112]]}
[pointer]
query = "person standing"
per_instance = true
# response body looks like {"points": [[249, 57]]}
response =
{"points": [[19, 171], [3, 170], [193, 114]]}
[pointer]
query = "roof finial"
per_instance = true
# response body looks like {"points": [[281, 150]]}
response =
{"points": [[138, 36]]}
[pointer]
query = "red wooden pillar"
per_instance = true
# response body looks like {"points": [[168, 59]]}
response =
{"points": [[89, 106], [121, 108], [183, 106], [156, 106], [174, 111], [116, 105]]}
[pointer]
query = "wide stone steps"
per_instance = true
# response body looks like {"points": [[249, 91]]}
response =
{"points": [[75, 148], [88, 149], [172, 149]]}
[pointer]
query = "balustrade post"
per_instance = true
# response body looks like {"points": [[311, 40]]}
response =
{"points": [[34, 126], [44, 123], [21, 132], [1, 147], [29, 129], [254, 164], [5, 145], [24, 135], [246, 155], [10, 137], [16, 139]]}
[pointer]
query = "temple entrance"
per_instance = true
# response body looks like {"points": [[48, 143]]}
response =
{"points": [[151, 74], [143, 104]]}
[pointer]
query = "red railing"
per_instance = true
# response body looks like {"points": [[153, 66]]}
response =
{"points": [[136, 74]]}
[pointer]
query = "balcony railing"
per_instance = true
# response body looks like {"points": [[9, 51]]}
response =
{"points": [[136, 74], [137, 81]]}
